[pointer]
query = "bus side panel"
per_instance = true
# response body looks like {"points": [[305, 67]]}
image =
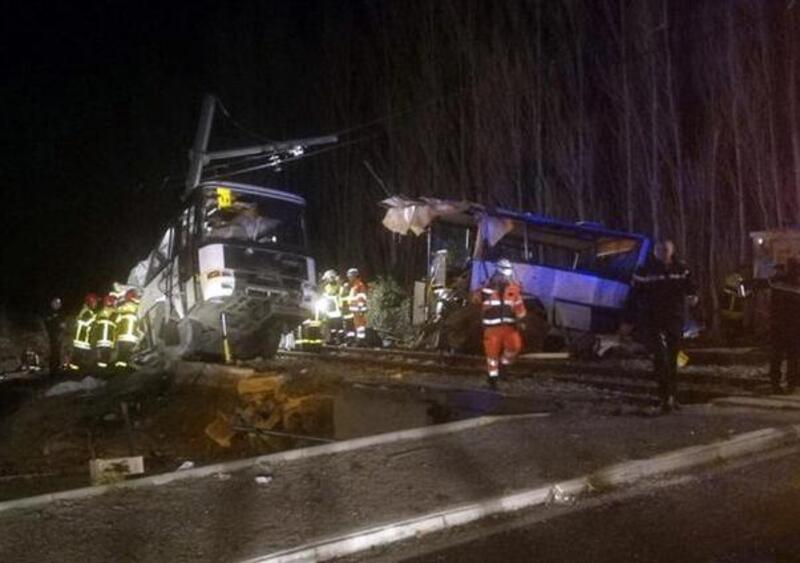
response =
{"points": [[571, 299]]}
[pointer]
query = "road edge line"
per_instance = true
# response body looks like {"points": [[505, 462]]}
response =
{"points": [[610, 477], [241, 464]]}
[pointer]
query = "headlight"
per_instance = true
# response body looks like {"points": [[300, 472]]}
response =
{"points": [[309, 292]]}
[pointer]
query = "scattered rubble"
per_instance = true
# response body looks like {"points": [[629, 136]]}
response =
{"points": [[202, 414]]}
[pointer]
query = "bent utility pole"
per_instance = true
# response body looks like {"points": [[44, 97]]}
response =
{"points": [[200, 146], [199, 156]]}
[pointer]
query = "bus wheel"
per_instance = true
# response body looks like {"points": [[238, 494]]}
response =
{"points": [[270, 339]]}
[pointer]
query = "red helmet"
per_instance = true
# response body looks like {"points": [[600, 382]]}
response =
{"points": [[132, 296], [109, 300], [91, 300]]}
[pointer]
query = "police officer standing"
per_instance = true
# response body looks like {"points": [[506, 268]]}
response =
{"points": [[55, 325], [662, 289], [785, 325]]}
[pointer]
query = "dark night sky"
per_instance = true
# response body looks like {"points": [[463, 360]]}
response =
{"points": [[100, 105]]}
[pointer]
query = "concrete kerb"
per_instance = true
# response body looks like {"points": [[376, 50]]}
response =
{"points": [[238, 465], [614, 476]]}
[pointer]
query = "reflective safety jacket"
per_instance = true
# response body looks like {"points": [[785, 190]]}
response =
{"points": [[104, 330], [734, 292], [501, 303], [331, 308], [344, 300], [357, 297], [127, 322], [83, 329]]}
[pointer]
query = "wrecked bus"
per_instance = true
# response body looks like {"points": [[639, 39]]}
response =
{"points": [[576, 276], [232, 267]]}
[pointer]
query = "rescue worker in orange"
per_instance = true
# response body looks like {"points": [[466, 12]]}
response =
{"points": [[503, 312], [357, 304]]}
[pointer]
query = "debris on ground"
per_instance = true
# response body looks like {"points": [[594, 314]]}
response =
{"points": [[109, 471], [167, 418], [263, 479]]}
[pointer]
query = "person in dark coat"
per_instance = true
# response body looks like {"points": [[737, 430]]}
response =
{"points": [[661, 290], [55, 325], [785, 325]]}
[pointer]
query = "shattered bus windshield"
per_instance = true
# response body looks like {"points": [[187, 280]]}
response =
{"points": [[230, 215]]}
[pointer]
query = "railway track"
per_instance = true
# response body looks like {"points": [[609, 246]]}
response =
{"points": [[700, 382]]}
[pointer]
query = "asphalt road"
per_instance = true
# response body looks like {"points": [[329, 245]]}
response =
{"points": [[744, 513]]}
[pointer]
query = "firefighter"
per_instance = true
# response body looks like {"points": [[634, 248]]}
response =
{"points": [[329, 307], [104, 331], [503, 313], [785, 325], [82, 339], [348, 331], [661, 290], [55, 325], [732, 305], [357, 305], [127, 328]]}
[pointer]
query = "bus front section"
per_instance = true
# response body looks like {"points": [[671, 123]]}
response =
{"points": [[255, 275]]}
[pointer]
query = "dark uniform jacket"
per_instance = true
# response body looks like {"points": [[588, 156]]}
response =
{"points": [[785, 309], [658, 296]]}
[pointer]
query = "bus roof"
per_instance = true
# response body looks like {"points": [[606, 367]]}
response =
{"points": [[466, 212], [256, 190]]}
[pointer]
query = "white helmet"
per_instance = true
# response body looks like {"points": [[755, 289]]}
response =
{"points": [[352, 273], [505, 268], [329, 276]]}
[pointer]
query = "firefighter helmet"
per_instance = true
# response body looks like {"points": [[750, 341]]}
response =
{"points": [[91, 300], [329, 276], [109, 300], [505, 268], [352, 273], [132, 296]]}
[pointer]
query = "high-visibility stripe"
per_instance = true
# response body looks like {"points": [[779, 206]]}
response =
{"points": [[129, 338], [102, 364], [494, 373], [659, 277], [104, 344], [491, 322], [81, 345]]}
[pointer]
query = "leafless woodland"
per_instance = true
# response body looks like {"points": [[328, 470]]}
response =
{"points": [[673, 118]]}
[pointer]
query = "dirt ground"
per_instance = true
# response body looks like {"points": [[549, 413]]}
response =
{"points": [[46, 442]]}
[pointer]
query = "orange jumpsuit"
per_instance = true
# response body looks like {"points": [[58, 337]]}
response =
{"points": [[357, 301], [502, 308]]}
